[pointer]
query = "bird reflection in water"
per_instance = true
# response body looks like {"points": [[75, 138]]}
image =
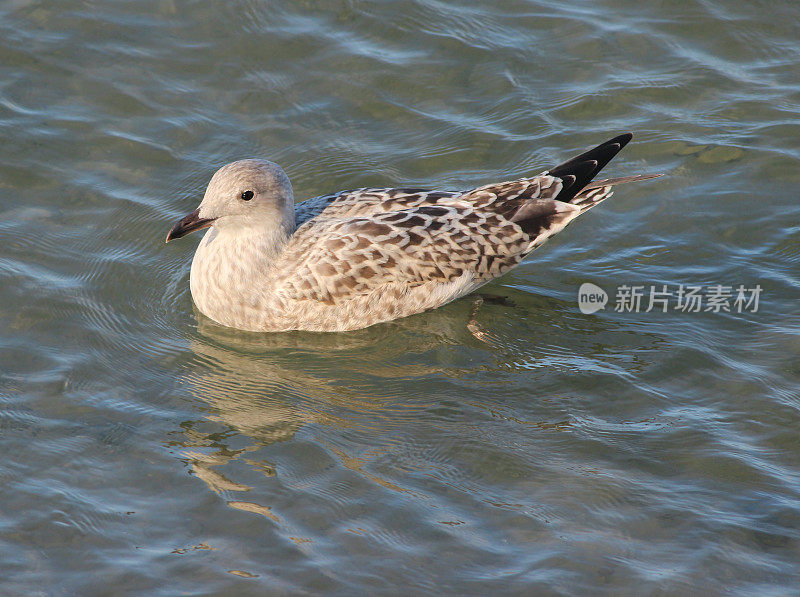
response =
{"points": [[255, 390], [258, 390]]}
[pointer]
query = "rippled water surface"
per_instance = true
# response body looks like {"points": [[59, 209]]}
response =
{"points": [[523, 447]]}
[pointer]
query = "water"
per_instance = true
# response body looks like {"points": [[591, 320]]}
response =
{"points": [[146, 450]]}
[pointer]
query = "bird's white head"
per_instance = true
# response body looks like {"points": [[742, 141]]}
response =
{"points": [[245, 195]]}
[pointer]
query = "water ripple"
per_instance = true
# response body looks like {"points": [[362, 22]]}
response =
{"points": [[524, 447]]}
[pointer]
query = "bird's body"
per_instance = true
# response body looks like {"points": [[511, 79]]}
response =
{"points": [[356, 258]]}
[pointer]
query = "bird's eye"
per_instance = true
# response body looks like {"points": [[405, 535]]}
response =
{"points": [[247, 195]]}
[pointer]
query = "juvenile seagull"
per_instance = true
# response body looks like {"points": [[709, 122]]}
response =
{"points": [[352, 259]]}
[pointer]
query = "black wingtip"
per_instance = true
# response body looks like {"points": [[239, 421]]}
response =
{"points": [[622, 139], [587, 165]]}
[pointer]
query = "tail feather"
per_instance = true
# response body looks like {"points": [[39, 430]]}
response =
{"points": [[607, 182], [600, 190], [588, 199]]}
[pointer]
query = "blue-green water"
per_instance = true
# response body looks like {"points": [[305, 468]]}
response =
{"points": [[146, 450]]}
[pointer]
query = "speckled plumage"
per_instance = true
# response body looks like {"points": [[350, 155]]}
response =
{"points": [[355, 258]]}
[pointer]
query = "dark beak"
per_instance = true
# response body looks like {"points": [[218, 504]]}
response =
{"points": [[188, 224]]}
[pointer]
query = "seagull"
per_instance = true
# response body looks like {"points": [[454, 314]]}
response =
{"points": [[351, 259]]}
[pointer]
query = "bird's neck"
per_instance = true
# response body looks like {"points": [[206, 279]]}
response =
{"points": [[229, 269]]}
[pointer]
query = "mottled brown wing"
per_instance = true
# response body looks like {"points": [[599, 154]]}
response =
{"points": [[335, 260], [370, 201]]}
